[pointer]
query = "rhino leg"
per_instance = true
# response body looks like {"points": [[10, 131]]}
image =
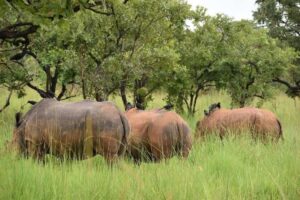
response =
{"points": [[36, 150], [135, 152], [187, 145], [107, 146], [111, 159], [157, 152]]}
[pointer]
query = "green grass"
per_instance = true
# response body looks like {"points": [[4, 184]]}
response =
{"points": [[236, 168]]}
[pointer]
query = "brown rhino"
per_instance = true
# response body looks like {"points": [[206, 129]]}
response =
{"points": [[259, 122], [157, 134], [75, 130]]}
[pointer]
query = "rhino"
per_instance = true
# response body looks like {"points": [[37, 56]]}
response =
{"points": [[260, 123], [157, 134], [74, 130]]}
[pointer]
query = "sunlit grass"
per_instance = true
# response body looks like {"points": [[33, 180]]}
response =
{"points": [[235, 168]]}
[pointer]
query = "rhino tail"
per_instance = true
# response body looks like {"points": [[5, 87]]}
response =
{"points": [[88, 136], [126, 130], [280, 130]]}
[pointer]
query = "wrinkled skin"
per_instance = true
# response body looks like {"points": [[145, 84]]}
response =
{"points": [[157, 134], [261, 123], [76, 130]]}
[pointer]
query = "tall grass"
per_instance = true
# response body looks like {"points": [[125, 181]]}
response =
{"points": [[235, 168]]}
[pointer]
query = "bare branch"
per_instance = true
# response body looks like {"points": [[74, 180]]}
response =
{"points": [[68, 97], [7, 103], [293, 90], [278, 80], [62, 92], [259, 96], [41, 92]]}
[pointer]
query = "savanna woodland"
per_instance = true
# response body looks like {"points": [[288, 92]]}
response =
{"points": [[152, 53]]}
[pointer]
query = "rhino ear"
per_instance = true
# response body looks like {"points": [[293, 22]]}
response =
{"points": [[205, 113], [219, 105]]}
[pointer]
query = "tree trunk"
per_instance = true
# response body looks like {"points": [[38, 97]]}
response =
{"points": [[83, 89], [54, 78], [99, 97], [192, 104], [82, 74], [140, 99], [123, 93], [242, 103]]}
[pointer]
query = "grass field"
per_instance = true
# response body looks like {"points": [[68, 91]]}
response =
{"points": [[236, 168]]}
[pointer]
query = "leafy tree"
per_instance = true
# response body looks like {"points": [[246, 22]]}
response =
{"points": [[130, 49], [50, 50], [22, 26], [103, 46], [151, 51], [282, 19], [253, 60], [201, 52]]}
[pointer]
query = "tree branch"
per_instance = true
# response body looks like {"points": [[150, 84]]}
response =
{"points": [[7, 103], [68, 97], [293, 90], [96, 60], [41, 92], [278, 80], [31, 102], [10, 32], [91, 8], [62, 92], [259, 96]]}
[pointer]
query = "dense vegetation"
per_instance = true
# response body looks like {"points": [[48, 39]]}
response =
{"points": [[97, 49]]}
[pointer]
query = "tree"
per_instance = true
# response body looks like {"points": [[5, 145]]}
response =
{"points": [[201, 52], [282, 19], [20, 20], [129, 49], [253, 60], [22, 28], [105, 46]]}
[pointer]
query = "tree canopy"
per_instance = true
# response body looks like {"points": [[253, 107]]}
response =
{"points": [[132, 48], [253, 59], [282, 17]]}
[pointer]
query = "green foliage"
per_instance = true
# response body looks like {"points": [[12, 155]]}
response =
{"points": [[283, 21], [236, 56], [134, 43], [101, 45], [201, 52], [253, 60], [40, 57]]}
